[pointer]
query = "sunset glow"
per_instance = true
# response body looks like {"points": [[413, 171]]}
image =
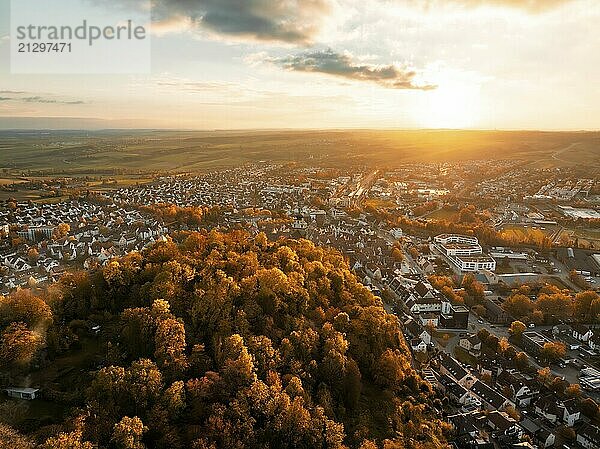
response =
{"points": [[491, 64]]}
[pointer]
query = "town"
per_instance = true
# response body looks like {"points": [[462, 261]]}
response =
{"points": [[491, 268]]}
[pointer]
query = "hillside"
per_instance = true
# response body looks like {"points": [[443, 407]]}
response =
{"points": [[214, 340]]}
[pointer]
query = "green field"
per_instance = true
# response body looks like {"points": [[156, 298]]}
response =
{"points": [[78, 152], [443, 214]]}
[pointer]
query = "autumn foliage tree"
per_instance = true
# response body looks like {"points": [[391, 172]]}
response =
{"points": [[228, 340]]}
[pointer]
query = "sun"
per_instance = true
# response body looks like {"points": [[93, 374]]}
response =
{"points": [[449, 106]]}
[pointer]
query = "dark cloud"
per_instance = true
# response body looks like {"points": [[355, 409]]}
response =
{"points": [[343, 66], [35, 98], [38, 99], [289, 21]]}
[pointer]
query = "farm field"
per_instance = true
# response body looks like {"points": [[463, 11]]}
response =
{"points": [[108, 152]]}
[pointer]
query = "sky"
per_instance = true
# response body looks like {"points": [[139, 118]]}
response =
{"points": [[240, 64]]}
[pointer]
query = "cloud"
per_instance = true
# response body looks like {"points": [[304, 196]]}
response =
{"points": [[533, 6], [287, 21], [179, 24], [17, 96], [343, 66], [38, 99]]}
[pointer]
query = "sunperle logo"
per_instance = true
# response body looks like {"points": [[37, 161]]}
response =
{"points": [[79, 37]]}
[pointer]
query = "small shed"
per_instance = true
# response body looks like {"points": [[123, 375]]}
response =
{"points": [[22, 393]]}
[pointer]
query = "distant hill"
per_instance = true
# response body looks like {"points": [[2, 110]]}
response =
{"points": [[182, 151]]}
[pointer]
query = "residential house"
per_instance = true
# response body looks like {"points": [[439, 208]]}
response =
{"points": [[518, 387], [418, 345], [582, 332], [452, 367], [589, 436], [454, 391], [571, 412], [489, 397], [415, 330], [540, 433], [471, 343], [502, 423]]}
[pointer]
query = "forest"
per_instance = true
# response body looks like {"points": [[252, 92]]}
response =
{"points": [[212, 340]]}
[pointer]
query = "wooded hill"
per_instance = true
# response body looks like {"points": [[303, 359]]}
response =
{"points": [[217, 340]]}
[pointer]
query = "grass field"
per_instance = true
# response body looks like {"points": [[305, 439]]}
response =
{"points": [[9, 181], [522, 233], [79, 152], [443, 214], [585, 236]]}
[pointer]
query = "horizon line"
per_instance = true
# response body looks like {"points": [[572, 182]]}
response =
{"points": [[300, 129]]}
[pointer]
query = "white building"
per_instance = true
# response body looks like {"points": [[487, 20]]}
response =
{"points": [[464, 252], [22, 393]]}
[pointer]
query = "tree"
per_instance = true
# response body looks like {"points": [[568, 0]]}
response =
{"points": [[414, 253], [521, 361], [353, 384], [23, 306], [170, 346], [70, 440], [60, 231], [557, 306], [467, 215], [518, 305], [586, 305], [11, 439], [18, 345], [479, 310], [143, 381], [553, 351], [13, 413], [483, 335], [568, 433], [537, 317], [589, 408], [573, 391], [397, 254], [390, 370], [33, 255], [138, 334], [238, 366], [286, 349], [517, 328], [174, 399], [128, 432], [503, 345], [544, 375]]}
